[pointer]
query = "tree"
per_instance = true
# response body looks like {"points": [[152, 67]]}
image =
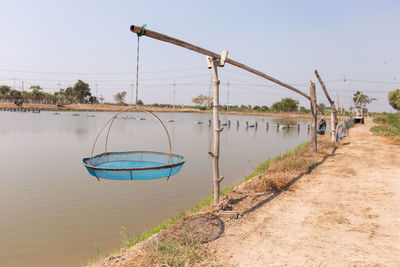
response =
{"points": [[14, 94], [69, 94], [140, 102], [394, 99], [4, 89], [361, 100], [287, 104], [322, 106], [201, 99], [36, 93], [93, 100], [120, 97], [81, 91]]}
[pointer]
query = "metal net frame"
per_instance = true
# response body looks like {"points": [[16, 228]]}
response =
{"points": [[133, 165]]}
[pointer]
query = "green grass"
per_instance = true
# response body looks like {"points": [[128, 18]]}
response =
{"points": [[130, 241], [175, 252], [390, 124]]}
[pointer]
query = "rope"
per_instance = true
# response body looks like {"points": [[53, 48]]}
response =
{"points": [[137, 70]]}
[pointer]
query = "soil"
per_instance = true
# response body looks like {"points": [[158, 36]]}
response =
{"points": [[345, 212]]}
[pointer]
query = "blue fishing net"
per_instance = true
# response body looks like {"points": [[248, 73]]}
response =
{"points": [[134, 165]]}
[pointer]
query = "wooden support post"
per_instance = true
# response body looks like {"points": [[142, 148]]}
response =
{"points": [[217, 130], [313, 100], [334, 122], [334, 118]]}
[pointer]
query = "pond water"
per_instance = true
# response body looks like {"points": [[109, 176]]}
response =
{"points": [[53, 213]]}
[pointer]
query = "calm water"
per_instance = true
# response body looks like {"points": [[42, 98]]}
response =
{"points": [[53, 213]]}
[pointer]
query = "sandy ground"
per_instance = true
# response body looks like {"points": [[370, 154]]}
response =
{"points": [[346, 212]]}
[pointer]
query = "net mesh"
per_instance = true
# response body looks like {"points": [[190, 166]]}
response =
{"points": [[134, 165]]}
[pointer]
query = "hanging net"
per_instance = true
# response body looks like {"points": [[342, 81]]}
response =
{"points": [[133, 165]]}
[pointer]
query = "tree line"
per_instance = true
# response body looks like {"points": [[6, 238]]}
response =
{"points": [[79, 93], [286, 104]]}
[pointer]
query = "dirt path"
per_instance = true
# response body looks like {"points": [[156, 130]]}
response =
{"points": [[346, 212]]}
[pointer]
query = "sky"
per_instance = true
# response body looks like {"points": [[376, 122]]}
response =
{"points": [[353, 44]]}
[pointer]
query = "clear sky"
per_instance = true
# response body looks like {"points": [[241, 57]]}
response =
{"points": [[54, 43]]}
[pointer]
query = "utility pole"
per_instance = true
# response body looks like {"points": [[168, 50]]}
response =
{"points": [[209, 88], [173, 107], [227, 104], [131, 93], [22, 86]]}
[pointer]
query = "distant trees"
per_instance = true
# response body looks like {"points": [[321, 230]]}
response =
{"points": [[79, 93], [304, 110], [394, 99], [120, 97], [287, 104]]}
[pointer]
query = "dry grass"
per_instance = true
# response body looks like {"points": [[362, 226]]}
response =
{"points": [[281, 172], [182, 250]]}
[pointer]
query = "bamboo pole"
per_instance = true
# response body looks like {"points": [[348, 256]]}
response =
{"points": [[334, 118], [313, 105], [217, 130], [165, 38]]}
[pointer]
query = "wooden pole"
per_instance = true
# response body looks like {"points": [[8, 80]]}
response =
{"points": [[313, 117], [165, 38], [334, 118], [217, 130]]}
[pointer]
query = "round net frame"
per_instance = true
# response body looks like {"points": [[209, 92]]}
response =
{"points": [[133, 165]]}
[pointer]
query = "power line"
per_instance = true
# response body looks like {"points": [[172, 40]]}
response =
{"points": [[97, 73], [375, 82]]}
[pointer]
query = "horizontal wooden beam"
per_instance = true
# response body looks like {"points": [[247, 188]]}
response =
{"points": [[165, 38]]}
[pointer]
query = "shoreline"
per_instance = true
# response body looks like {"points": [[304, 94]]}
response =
{"points": [[117, 108]]}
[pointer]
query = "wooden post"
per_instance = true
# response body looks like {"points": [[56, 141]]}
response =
{"points": [[334, 118], [217, 130], [313, 100]]}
